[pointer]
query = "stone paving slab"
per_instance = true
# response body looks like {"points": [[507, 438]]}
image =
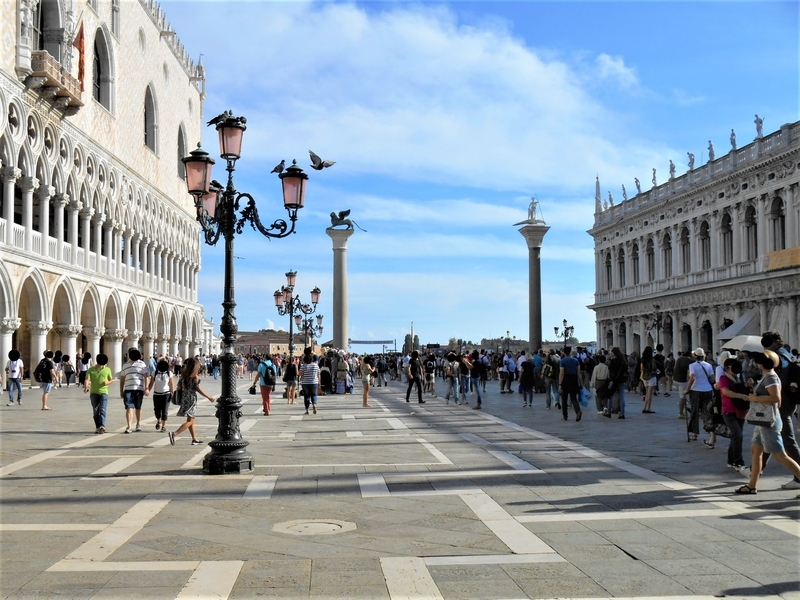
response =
{"points": [[599, 467]]}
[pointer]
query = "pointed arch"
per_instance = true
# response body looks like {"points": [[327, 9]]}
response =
{"points": [[103, 70], [150, 119]]}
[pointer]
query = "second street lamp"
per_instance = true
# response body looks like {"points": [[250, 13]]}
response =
{"points": [[219, 215], [289, 304], [309, 328], [566, 333]]}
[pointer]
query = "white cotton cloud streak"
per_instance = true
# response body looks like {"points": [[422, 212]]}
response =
{"points": [[408, 92]]}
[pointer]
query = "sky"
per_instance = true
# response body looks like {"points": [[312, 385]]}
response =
{"points": [[445, 118]]}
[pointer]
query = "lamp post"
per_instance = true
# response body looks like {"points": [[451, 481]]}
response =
{"points": [[219, 214], [289, 304], [309, 328], [566, 333], [656, 321]]}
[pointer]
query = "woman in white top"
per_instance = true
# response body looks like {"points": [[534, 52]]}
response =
{"points": [[162, 385], [701, 380]]}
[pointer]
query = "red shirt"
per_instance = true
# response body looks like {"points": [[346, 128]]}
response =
{"points": [[725, 383]]}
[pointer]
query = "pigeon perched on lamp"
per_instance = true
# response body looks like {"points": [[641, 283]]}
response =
{"points": [[279, 167]]}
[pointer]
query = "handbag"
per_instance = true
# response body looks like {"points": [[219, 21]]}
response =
{"points": [[176, 397], [252, 389], [763, 415]]}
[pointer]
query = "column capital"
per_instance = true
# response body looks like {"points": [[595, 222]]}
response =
{"points": [[75, 206], [339, 237], [9, 325], [10, 174], [29, 184], [39, 327], [115, 335], [99, 219], [87, 213], [134, 335], [162, 337], [149, 337], [67, 330], [62, 200], [534, 234], [45, 192], [93, 333]]}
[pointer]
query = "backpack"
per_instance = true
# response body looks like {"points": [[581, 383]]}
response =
{"points": [[660, 364], [40, 373], [547, 370], [269, 374]]}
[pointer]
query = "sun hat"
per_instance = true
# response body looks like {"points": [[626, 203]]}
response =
{"points": [[699, 353]]}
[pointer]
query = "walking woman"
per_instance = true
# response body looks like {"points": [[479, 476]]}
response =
{"points": [[189, 386], [266, 377], [366, 374], [732, 389], [309, 379], [767, 438], [414, 374], [618, 372], [83, 365], [701, 380], [162, 386], [67, 368], [290, 378], [649, 377]]}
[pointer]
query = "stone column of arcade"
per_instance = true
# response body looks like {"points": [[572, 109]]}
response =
{"points": [[7, 328], [534, 234], [339, 237]]}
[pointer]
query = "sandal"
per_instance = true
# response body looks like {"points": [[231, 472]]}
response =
{"points": [[709, 444], [745, 489]]}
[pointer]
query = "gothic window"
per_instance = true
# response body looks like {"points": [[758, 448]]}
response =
{"points": [[727, 239], [705, 246], [666, 253], [635, 263], [101, 73], [37, 39], [150, 119], [651, 260], [778, 222], [609, 282], [47, 27], [181, 153], [750, 233], [686, 252], [115, 17], [621, 267]]}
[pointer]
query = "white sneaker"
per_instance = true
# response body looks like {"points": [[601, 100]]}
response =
{"points": [[138, 427], [743, 470], [791, 485], [127, 430]]}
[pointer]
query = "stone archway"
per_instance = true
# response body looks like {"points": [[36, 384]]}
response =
{"points": [[706, 337], [65, 330], [31, 337]]}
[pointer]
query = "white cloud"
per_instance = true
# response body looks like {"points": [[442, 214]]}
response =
{"points": [[684, 98], [612, 69]]}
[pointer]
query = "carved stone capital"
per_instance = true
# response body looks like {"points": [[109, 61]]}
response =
{"points": [[93, 333], [45, 192], [61, 200], [67, 330], [87, 213], [9, 325], [75, 206], [162, 337], [39, 327], [98, 219], [115, 335], [10, 174], [29, 184], [149, 337], [134, 335]]}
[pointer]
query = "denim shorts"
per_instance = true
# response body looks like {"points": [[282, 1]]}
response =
{"points": [[46, 387], [769, 437], [133, 399]]}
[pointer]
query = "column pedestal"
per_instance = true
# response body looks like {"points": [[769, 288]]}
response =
{"points": [[534, 234], [339, 237]]}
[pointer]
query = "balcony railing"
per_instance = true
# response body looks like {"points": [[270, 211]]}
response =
{"points": [[57, 81]]}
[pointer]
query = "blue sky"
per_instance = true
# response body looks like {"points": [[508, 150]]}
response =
{"points": [[445, 118]]}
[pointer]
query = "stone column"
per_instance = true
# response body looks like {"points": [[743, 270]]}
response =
{"points": [[628, 335], [148, 349], [184, 347], [39, 331], [74, 208], [615, 332], [62, 201], [113, 338], [736, 233], [118, 229], [108, 232], [147, 266], [789, 196], [694, 247], [162, 343], [44, 193], [126, 256], [339, 237], [28, 186], [69, 342], [793, 338], [7, 328], [534, 234], [714, 221], [761, 226], [86, 220], [10, 176], [173, 345], [134, 267], [97, 234]]}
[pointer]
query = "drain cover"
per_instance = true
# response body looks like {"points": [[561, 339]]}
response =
{"points": [[313, 527]]}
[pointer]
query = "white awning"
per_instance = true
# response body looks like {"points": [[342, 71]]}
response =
{"points": [[748, 324]]}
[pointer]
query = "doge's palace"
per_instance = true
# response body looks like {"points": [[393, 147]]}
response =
{"points": [[99, 249], [706, 255]]}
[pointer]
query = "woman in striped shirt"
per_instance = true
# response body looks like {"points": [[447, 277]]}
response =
{"points": [[309, 378]]}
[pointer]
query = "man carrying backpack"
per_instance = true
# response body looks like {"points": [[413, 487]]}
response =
{"points": [[266, 372], [45, 375]]}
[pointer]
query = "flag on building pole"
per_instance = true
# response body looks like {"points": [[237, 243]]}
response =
{"points": [[80, 44]]}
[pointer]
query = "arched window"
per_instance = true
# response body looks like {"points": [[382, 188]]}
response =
{"points": [[609, 282], [635, 263], [47, 27], [181, 153], [651, 260], [726, 229], [686, 252], [750, 233], [778, 222], [150, 120], [705, 246], [621, 267], [102, 78], [666, 254]]}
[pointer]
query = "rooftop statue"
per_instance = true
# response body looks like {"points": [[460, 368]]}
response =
{"points": [[671, 170], [638, 185], [733, 140], [691, 160], [610, 199], [759, 127], [534, 213], [654, 177], [624, 193], [341, 219], [710, 151]]}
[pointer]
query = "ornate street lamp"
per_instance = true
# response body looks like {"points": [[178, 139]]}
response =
{"points": [[309, 328], [656, 321], [219, 214], [566, 333], [289, 304]]}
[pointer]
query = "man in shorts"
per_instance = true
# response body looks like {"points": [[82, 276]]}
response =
{"points": [[133, 382], [47, 376]]}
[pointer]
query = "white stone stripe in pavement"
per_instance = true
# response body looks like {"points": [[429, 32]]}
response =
{"points": [[192, 462], [52, 527], [518, 538], [348, 417], [407, 578], [396, 423], [260, 488], [247, 424], [474, 439], [436, 453], [76, 566], [624, 515], [117, 466], [355, 434], [90, 440], [512, 460], [372, 485], [493, 559], [296, 418], [287, 435], [212, 580], [108, 541], [27, 462]]}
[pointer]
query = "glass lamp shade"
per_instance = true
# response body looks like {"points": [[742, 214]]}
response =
{"points": [[315, 295], [319, 321], [210, 203], [565, 322], [319, 329], [198, 171], [293, 181], [288, 295], [291, 277], [298, 320], [230, 132], [278, 298], [556, 330]]}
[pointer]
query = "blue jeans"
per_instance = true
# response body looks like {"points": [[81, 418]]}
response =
{"points": [[452, 388], [735, 424], [476, 385], [309, 394], [15, 383], [620, 391], [216, 372], [99, 404], [464, 387]]}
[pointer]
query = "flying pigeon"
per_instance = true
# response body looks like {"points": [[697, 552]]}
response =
{"points": [[219, 118], [318, 164], [279, 167]]}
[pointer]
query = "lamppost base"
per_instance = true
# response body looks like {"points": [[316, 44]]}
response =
{"points": [[217, 463]]}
